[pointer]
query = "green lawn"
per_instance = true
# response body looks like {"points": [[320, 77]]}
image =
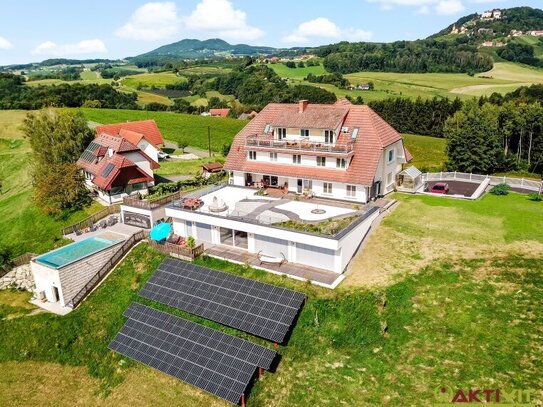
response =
{"points": [[184, 167], [176, 127], [428, 152], [441, 323], [24, 228]]}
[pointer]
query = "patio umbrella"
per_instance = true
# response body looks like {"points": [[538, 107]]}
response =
{"points": [[161, 231]]}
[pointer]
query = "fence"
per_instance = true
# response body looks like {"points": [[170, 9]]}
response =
{"points": [[174, 250], [85, 223], [152, 203], [520, 183], [106, 268], [16, 262]]}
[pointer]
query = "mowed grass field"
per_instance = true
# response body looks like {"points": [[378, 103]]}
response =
{"points": [[441, 320], [158, 80], [504, 77], [428, 152], [24, 228], [176, 127]]}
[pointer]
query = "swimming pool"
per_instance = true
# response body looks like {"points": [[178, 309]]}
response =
{"points": [[75, 251]]}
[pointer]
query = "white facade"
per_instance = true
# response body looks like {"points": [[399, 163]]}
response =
{"points": [[111, 197], [328, 253]]}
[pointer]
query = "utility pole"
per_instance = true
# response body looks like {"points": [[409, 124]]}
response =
{"points": [[209, 139]]}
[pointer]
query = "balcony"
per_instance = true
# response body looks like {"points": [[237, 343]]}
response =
{"points": [[299, 145]]}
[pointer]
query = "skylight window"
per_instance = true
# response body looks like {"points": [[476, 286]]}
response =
{"points": [[267, 128], [107, 170], [355, 133]]}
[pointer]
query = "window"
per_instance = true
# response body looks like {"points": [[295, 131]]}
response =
{"points": [[341, 162], [390, 155], [304, 132], [267, 128], [281, 133], [351, 191], [296, 159], [273, 156], [327, 188], [252, 155], [389, 178], [328, 136], [355, 133], [321, 161]]}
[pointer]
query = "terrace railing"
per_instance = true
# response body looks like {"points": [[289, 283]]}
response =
{"points": [[87, 222], [106, 268], [151, 204], [174, 250], [302, 145]]}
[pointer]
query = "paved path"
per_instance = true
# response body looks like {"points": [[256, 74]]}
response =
{"points": [[271, 206], [196, 151]]}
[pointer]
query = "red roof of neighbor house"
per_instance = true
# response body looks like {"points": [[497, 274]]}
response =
{"points": [[374, 135], [132, 136], [147, 128], [219, 112], [112, 168]]}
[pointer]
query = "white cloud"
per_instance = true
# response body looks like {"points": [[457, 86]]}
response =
{"points": [[151, 22], [5, 44], [219, 17], [50, 48], [443, 7], [322, 27], [447, 7]]}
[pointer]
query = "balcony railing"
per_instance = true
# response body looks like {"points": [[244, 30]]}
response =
{"points": [[303, 145]]}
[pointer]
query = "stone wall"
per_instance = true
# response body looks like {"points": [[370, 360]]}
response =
{"points": [[20, 277]]}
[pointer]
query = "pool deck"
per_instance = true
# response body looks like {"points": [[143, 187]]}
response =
{"points": [[115, 232]]}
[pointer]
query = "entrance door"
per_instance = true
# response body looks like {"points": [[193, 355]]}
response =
{"points": [[376, 189], [56, 295], [308, 185], [299, 189]]}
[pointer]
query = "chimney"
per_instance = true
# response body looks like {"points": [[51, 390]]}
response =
{"points": [[302, 105]]}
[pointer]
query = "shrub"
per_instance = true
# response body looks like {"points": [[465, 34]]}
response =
{"points": [[500, 189], [534, 196], [191, 243]]}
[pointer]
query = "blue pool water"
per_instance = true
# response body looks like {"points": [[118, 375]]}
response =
{"points": [[73, 252]]}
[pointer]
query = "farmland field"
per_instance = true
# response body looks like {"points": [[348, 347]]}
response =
{"points": [[158, 80], [176, 127], [428, 152], [504, 77]]}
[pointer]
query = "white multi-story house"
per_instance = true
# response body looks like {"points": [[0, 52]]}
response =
{"points": [[300, 176], [339, 151]]}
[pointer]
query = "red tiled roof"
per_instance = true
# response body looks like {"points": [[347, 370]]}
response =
{"points": [[132, 136], [119, 163], [374, 135], [219, 112], [148, 128], [313, 117]]}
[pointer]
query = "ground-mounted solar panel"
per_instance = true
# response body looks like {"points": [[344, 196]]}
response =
{"points": [[211, 360], [258, 308]]}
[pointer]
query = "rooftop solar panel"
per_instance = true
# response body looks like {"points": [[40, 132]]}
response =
{"points": [[88, 154], [211, 360], [261, 309], [107, 170]]}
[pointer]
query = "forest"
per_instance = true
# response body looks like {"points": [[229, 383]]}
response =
{"points": [[14, 94], [404, 56]]}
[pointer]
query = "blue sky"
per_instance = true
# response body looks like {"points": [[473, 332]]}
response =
{"points": [[34, 30]]}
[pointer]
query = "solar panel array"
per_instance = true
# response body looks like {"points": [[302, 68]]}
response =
{"points": [[107, 170], [88, 154], [218, 363], [261, 309]]}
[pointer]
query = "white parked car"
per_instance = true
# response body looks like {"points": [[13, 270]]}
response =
{"points": [[162, 155]]}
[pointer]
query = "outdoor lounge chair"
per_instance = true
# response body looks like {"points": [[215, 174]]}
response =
{"points": [[78, 232], [263, 258], [102, 224], [92, 227]]}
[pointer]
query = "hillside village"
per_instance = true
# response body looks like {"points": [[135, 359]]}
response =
{"points": [[214, 224]]}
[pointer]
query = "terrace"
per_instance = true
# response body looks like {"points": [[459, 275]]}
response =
{"points": [[318, 216]]}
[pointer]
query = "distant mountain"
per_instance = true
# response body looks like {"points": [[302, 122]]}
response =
{"points": [[497, 25], [212, 48]]}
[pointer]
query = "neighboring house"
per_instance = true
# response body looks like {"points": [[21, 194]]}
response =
{"points": [[147, 128], [211, 168], [119, 163], [487, 44], [515, 33], [340, 151], [364, 86], [494, 14], [219, 112], [535, 33]]}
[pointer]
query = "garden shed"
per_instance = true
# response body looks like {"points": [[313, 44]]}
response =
{"points": [[409, 180]]}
